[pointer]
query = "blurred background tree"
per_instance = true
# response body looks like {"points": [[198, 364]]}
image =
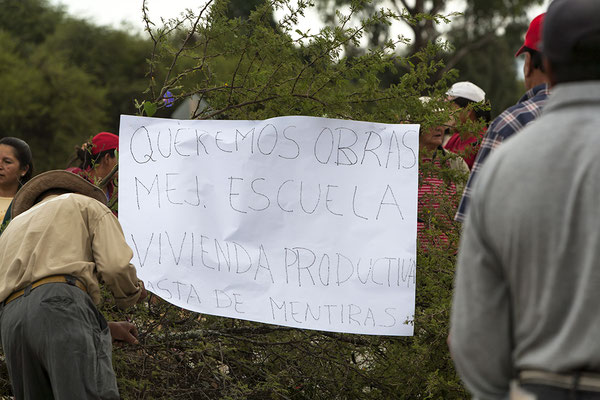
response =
{"points": [[81, 77], [483, 37], [64, 79]]}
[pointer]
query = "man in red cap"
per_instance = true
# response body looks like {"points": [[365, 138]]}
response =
{"points": [[518, 116]]}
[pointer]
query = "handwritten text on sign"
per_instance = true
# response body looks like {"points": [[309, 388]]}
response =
{"points": [[297, 221]]}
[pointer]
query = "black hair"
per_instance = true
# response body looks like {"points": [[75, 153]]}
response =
{"points": [[23, 154], [482, 109], [462, 102], [583, 63], [87, 160], [537, 61]]}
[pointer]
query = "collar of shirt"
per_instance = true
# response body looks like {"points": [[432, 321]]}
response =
{"points": [[573, 93], [542, 89]]}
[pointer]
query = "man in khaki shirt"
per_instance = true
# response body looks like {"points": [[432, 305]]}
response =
{"points": [[61, 243]]}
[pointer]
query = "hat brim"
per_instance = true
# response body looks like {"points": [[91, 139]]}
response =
{"points": [[57, 179], [521, 50]]}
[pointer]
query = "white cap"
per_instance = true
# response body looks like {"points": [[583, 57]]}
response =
{"points": [[467, 90]]}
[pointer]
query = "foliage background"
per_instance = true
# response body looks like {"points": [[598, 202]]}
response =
{"points": [[65, 80]]}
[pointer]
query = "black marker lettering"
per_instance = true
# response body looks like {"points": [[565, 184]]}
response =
{"points": [[169, 144], [372, 150], [317, 146], [279, 194], [348, 153], [141, 263], [414, 157], [148, 155], [302, 196], [268, 202], [170, 189], [260, 135], [293, 141], [176, 142], [328, 200], [217, 141], [394, 203], [137, 192], [231, 193]]}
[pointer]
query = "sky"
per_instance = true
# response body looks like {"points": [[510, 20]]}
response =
{"points": [[128, 13]]}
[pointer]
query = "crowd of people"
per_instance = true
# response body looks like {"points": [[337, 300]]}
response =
{"points": [[97, 163], [523, 321]]}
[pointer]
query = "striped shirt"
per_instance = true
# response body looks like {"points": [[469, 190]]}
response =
{"points": [[504, 126], [435, 199]]}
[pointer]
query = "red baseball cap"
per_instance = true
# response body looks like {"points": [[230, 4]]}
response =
{"points": [[104, 141], [533, 37]]}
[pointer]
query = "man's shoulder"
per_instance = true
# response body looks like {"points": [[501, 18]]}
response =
{"points": [[76, 203], [518, 116], [88, 203], [516, 155], [532, 101]]}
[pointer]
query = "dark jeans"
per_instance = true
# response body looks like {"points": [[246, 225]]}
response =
{"points": [[544, 392], [57, 346]]}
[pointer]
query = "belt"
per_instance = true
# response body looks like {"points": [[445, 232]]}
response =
{"points": [[585, 381], [71, 280]]}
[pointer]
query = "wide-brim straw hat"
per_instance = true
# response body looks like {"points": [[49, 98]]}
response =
{"points": [[58, 179]]}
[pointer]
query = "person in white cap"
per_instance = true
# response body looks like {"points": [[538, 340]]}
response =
{"points": [[515, 118], [469, 103], [61, 242]]}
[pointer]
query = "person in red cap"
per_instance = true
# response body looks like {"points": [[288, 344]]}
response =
{"points": [[515, 118], [97, 160]]}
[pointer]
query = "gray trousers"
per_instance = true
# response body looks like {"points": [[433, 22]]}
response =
{"points": [[543, 392], [57, 345]]}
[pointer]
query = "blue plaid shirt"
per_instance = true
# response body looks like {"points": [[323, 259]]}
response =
{"points": [[504, 126]]}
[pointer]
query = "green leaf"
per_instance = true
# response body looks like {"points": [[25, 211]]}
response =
{"points": [[150, 108]]}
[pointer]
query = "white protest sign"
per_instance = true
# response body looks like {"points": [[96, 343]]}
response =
{"points": [[296, 221]]}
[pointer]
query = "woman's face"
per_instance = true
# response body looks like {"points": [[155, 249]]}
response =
{"points": [[105, 165], [461, 115], [10, 168], [432, 138]]}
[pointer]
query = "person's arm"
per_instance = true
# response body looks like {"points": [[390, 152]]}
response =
{"points": [[480, 333], [112, 256]]}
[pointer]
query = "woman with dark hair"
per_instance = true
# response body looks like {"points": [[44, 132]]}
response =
{"points": [[16, 168], [98, 163]]}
